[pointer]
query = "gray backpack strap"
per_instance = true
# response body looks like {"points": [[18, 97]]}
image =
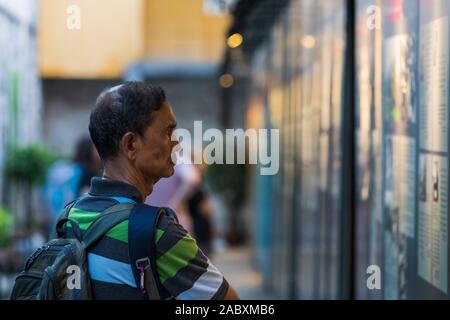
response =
{"points": [[67, 209], [116, 208], [107, 220], [62, 217]]}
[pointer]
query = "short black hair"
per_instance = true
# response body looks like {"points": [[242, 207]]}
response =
{"points": [[125, 108]]}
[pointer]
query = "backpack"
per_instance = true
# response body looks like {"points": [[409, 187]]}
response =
{"points": [[59, 269]]}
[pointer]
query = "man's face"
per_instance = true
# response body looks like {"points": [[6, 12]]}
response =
{"points": [[154, 156]]}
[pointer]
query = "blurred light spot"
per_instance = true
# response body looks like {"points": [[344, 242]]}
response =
{"points": [[235, 40], [308, 41], [226, 80]]}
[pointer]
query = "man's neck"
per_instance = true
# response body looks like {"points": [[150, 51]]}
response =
{"points": [[115, 171]]}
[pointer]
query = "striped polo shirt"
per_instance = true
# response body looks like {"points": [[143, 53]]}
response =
{"points": [[185, 272]]}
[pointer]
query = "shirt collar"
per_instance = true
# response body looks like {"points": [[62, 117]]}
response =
{"points": [[113, 188]]}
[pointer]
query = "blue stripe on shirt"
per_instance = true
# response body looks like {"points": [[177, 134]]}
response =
{"points": [[108, 270]]}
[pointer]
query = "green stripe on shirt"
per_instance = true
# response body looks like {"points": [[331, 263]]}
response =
{"points": [[176, 258], [119, 232], [159, 234], [85, 218]]}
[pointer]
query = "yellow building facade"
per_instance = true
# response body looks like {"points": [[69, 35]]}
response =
{"points": [[87, 39]]}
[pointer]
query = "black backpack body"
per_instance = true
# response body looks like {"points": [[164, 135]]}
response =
{"points": [[59, 269]]}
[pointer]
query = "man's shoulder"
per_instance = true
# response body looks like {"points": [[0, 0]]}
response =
{"points": [[167, 215], [173, 239], [169, 225]]}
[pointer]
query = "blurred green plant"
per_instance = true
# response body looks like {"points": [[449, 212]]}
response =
{"points": [[229, 180], [29, 164], [27, 167], [6, 222]]}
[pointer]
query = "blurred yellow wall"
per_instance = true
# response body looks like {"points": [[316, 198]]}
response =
{"points": [[110, 37], [115, 33], [180, 30]]}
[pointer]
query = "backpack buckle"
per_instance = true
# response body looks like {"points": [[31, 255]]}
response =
{"points": [[143, 263]]}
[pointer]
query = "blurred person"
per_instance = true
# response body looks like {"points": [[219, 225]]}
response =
{"points": [[201, 211], [131, 127], [67, 180], [88, 160]]}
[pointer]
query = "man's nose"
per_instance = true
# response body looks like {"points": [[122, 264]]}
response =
{"points": [[175, 140], [176, 145]]}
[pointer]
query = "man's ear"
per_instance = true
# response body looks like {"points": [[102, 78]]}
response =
{"points": [[129, 145]]}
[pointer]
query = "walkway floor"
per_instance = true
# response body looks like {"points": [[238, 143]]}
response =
{"points": [[236, 266]]}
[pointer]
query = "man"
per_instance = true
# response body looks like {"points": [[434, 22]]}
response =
{"points": [[131, 127]]}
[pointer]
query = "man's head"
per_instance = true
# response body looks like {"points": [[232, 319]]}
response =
{"points": [[132, 125]]}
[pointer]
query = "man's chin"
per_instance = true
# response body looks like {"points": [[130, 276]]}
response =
{"points": [[170, 171]]}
